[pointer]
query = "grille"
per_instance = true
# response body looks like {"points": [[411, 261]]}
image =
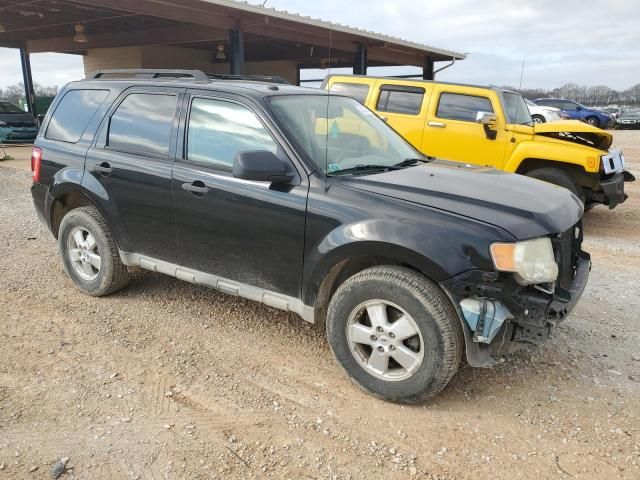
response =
{"points": [[566, 247]]}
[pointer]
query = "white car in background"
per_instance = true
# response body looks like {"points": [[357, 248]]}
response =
{"points": [[541, 114]]}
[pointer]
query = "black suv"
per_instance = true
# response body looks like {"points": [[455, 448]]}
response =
{"points": [[308, 202]]}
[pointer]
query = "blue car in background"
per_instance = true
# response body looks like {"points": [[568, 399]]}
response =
{"points": [[16, 125], [576, 111]]}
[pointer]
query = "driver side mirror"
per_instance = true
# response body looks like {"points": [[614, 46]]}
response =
{"points": [[489, 121], [261, 166]]}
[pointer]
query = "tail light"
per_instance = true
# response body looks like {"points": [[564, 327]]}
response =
{"points": [[36, 160]]}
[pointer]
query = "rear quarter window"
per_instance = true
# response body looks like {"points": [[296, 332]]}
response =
{"points": [[73, 113], [357, 91]]}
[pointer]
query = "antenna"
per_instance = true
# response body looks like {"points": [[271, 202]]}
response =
{"points": [[327, 133], [520, 90]]}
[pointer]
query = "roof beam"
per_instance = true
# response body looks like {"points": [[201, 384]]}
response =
{"points": [[154, 36]]}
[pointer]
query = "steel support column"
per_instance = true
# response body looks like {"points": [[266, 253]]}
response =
{"points": [[427, 69], [27, 79], [360, 60], [236, 52]]}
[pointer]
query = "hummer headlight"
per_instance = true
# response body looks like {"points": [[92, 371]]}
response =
{"points": [[532, 261]]}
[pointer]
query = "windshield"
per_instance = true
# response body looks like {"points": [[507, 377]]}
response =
{"points": [[339, 134], [9, 108], [516, 109], [530, 103]]}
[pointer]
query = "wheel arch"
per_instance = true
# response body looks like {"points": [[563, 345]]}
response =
{"points": [[65, 197], [576, 171], [350, 259]]}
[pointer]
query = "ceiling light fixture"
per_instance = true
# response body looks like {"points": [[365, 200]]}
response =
{"points": [[220, 55], [80, 36]]}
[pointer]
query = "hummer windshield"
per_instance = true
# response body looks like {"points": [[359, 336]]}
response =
{"points": [[341, 136], [516, 109]]}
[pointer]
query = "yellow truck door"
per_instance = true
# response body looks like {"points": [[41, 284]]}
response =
{"points": [[452, 131], [403, 106]]}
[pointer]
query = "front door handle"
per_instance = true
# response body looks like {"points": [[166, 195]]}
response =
{"points": [[437, 124], [198, 188], [104, 168]]}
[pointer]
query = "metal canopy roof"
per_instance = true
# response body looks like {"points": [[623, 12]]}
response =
{"points": [[49, 25]]}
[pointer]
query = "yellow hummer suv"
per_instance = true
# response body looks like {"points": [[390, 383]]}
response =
{"points": [[493, 127]]}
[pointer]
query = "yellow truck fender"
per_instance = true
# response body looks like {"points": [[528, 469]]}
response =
{"points": [[559, 152]]}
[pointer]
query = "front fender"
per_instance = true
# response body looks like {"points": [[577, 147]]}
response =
{"points": [[438, 249], [554, 150]]}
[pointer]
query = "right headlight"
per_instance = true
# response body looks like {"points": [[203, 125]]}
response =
{"points": [[532, 261]]}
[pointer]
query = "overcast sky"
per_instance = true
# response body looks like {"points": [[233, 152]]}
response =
{"points": [[591, 42]]}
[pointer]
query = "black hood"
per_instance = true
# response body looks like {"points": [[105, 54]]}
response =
{"points": [[524, 207]]}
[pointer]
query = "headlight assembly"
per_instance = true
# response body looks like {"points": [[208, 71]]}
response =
{"points": [[532, 261]]}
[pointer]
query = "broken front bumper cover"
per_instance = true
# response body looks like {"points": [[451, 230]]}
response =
{"points": [[612, 189], [533, 312]]}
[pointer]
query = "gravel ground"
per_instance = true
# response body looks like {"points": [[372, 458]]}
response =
{"points": [[170, 380]]}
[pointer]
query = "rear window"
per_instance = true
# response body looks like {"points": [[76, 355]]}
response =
{"points": [[142, 124], [357, 91], [455, 106], [407, 100], [73, 113]]}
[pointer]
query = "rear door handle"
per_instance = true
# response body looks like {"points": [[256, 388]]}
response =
{"points": [[104, 168], [437, 124], [198, 188]]}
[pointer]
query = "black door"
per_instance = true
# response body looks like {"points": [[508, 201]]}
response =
{"points": [[245, 231], [132, 160]]}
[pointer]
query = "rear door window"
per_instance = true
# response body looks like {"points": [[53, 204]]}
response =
{"points": [[73, 113], [217, 130], [142, 124], [357, 91], [455, 106], [400, 99]]}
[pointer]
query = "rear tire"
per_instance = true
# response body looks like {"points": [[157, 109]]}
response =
{"points": [[538, 119], [560, 178], [89, 253], [420, 358]]}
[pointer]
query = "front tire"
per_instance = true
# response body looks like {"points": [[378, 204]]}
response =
{"points": [[593, 121], [538, 118], [560, 178], [89, 253], [395, 333]]}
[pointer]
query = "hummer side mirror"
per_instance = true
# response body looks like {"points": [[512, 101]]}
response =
{"points": [[489, 121]]}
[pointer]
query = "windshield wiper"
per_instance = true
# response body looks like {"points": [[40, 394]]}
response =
{"points": [[365, 169], [408, 162]]}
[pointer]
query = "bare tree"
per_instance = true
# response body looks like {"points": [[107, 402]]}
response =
{"points": [[13, 93]]}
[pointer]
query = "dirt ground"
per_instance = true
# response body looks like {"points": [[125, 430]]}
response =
{"points": [[170, 380]]}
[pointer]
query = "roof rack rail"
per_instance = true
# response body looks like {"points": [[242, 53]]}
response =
{"points": [[254, 78], [197, 76]]}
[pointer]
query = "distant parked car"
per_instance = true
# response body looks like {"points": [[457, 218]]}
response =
{"points": [[16, 125], [615, 111], [541, 114], [629, 119], [576, 111]]}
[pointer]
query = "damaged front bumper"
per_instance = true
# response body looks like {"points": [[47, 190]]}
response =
{"points": [[500, 316], [611, 191]]}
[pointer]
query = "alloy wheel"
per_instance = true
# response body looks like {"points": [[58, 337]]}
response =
{"points": [[83, 253], [385, 340]]}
